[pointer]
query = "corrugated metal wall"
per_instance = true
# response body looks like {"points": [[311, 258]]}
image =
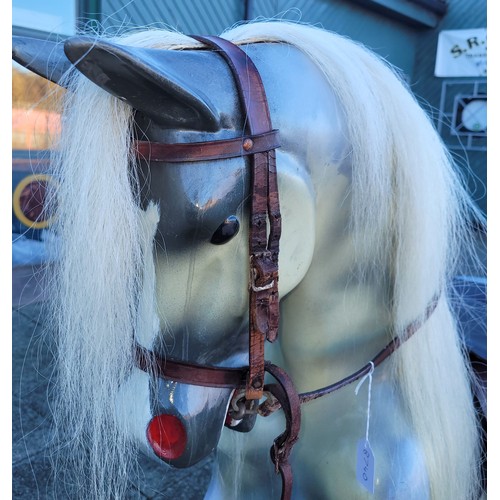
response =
{"points": [[410, 47], [390, 38], [188, 16]]}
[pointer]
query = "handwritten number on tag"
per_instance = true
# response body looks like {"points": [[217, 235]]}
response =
{"points": [[365, 466]]}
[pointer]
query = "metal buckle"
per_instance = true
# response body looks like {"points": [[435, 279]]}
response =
{"points": [[240, 408], [259, 288], [262, 269]]}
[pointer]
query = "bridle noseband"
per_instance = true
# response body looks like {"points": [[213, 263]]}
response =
{"points": [[259, 144]]}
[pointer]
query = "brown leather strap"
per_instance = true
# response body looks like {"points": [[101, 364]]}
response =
{"points": [[189, 373], [247, 80], [215, 376], [269, 407], [285, 393], [264, 300], [209, 150]]}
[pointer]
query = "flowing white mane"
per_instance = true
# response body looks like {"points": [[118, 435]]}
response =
{"points": [[408, 203]]}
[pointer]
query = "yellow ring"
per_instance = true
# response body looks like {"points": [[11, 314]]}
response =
{"points": [[16, 201]]}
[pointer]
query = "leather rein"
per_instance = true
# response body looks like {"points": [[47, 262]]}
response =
{"points": [[259, 143]]}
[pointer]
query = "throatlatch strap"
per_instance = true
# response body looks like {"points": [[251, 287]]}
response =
{"points": [[264, 299]]}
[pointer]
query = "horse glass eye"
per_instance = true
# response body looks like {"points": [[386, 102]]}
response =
{"points": [[226, 231]]}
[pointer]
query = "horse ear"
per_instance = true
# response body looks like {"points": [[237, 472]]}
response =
{"points": [[44, 58], [166, 85]]}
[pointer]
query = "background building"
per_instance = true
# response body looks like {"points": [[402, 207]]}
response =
{"points": [[405, 32]]}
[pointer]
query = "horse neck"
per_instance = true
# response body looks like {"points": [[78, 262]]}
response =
{"points": [[338, 317]]}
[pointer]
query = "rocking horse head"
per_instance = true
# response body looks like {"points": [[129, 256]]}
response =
{"points": [[194, 176]]}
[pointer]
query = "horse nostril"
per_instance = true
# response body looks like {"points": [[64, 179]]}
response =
{"points": [[227, 230], [167, 436]]}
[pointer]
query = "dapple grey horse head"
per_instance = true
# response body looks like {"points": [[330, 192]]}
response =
{"points": [[369, 207]]}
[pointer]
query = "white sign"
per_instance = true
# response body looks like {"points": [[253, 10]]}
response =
{"points": [[461, 53]]}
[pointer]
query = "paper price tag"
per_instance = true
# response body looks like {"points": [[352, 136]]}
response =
{"points": [[365, 466]]}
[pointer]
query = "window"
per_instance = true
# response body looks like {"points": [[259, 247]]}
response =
{"points": [[35, 110], [35, 127], [35, 118], [49, 17]]}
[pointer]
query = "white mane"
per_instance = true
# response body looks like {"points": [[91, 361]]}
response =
{"points": [[397, 156]]}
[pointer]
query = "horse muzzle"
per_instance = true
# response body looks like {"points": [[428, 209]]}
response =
{"points": [[187, 421]]}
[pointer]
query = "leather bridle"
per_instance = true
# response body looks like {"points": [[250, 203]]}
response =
{"points": [[258, 143]]}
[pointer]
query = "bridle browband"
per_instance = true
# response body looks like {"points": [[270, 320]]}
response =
{"points": [[259, 144], [208, 150]]}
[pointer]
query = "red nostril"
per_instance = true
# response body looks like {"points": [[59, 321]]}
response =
{"points": [[167, 436]]}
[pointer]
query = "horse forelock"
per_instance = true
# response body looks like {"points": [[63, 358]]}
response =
{"points": [[103, 286]]}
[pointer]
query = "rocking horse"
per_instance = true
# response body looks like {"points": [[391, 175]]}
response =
{"points": [[257, 235]]}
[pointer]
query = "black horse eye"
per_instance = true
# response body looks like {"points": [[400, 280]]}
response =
{"points": [[227, 230]]}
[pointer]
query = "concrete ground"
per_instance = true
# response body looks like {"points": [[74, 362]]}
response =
{"points": [[31, 417]]}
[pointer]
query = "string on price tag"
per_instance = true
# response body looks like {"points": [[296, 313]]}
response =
{"points": [[365, 461]]}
